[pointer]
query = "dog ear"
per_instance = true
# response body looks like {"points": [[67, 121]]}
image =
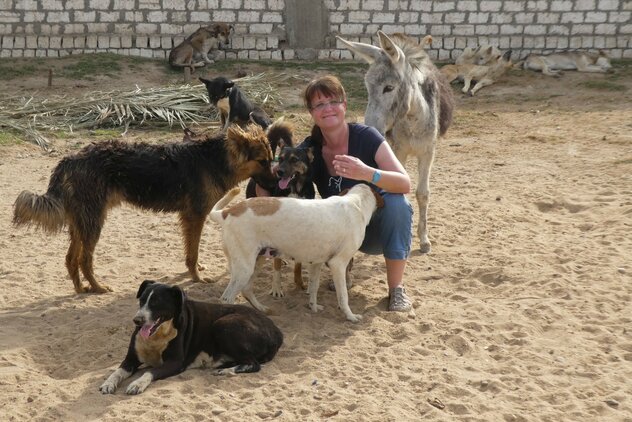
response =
{"points": [[507, 55], [143, 287], [379, 200], [204, 81], [310, 154], [179, 297], [188, 135]]}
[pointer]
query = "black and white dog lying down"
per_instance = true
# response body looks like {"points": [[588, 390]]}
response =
{"points": [[174, 333]]}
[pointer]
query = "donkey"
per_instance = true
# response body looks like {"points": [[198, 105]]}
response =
{"points": [[410, 102]]}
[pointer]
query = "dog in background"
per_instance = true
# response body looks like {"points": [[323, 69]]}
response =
{"points": [[481, 55], [232, 103], [187, 178], [582, 61], [483, 75], [174, 333], [334, 226], [193, 51]]}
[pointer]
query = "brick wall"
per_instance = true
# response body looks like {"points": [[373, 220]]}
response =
{"points": [[150, 28]]}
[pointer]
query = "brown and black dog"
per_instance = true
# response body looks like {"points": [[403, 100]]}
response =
{"points": [[185, 177]]}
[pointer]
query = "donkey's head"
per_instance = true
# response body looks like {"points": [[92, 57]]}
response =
{"points": [[390, 79]]}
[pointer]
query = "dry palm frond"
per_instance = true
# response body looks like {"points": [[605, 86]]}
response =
{"points": [[185, 105]]}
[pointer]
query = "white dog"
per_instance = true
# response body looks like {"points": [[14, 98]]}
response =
{"points": [[582, 61], [324, 231]]}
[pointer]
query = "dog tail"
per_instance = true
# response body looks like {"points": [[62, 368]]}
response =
{"points": [[217, 213], [280, 133], [43, 211]]}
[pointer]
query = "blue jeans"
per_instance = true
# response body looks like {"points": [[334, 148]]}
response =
{"points": [[390, 231]]}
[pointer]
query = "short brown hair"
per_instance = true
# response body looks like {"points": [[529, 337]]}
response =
{"points": [[328, 86]]}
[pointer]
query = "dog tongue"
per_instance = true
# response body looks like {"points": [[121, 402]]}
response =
{"points": [[145, 330], [283, 183]]}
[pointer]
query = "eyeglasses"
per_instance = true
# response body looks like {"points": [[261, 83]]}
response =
{"points": [[322, 106]]}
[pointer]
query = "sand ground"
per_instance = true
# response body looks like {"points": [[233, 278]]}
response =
{"points": [[522, 310]]}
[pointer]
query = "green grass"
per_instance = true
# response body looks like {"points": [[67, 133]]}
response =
{"points": [[8, 138], [10, 70], [90, 65]]}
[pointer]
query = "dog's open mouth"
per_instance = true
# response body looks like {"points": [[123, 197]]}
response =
{"points": [[149, 328], [285, 181]]}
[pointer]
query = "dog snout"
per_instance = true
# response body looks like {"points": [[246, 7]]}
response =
{"points": [[139, 320]]}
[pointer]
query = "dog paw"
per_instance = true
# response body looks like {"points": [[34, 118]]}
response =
{"points": [[315, 308], [100, 288], [82, 289], [224, 371], [107, 388], [136, 387], [277, 293], [201, 267], [354, 317]]}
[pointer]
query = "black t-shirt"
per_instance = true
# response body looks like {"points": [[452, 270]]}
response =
{"points": [[364, 142]]}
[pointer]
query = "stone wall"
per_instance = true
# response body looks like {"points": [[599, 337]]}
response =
{"points": [[150, 28]]}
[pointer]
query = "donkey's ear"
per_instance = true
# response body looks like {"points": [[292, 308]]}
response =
{"points": [[367, 51], [389, 47]]}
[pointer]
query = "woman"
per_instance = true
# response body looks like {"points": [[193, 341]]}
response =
{"points": [[346, 154]]}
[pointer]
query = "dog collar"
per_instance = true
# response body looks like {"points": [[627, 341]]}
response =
{"points": [[377, 175]]}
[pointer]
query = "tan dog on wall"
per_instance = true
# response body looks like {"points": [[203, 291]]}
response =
{"points": [[193, 51], [483, 75], [334, 226]]}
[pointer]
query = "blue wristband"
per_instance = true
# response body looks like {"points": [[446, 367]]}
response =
{"points": [[376, 176]]}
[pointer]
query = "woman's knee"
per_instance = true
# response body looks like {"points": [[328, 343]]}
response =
{"points": [[397, 208]]}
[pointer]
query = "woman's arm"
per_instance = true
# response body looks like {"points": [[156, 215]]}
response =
{"points": [[393, 176]]}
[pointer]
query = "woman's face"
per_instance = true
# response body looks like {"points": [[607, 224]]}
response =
{"points": [[327, 112]]}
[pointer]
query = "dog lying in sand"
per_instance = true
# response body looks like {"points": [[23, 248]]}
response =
{"points": [[174, 333], [482, 75], [582, 61], [325, 231], [482, 55]]}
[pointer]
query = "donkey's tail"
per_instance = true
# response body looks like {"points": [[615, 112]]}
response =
{"points": [[217, 213], [43, 211]]}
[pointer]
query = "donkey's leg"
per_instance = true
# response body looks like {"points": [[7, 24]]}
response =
{"points": [[424, 166]]}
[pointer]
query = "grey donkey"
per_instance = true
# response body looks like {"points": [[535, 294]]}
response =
{"points": [[410, 102]]}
